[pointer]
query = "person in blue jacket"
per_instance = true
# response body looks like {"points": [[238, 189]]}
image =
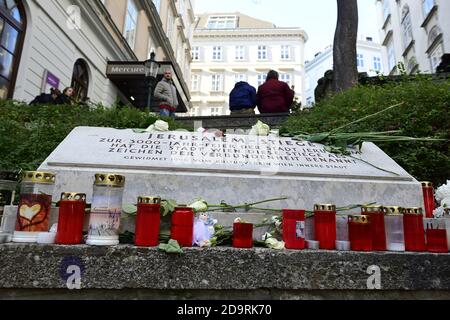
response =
{"points": [[243, 99]]}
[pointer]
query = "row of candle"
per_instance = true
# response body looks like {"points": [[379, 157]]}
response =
{"points": [[376, 228]]}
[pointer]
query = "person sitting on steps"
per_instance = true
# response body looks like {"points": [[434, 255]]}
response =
{"points": [[243, 99], [274, 96], [47, 98]]}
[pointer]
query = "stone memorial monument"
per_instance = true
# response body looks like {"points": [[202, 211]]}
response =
{"points": [[234, 168]]}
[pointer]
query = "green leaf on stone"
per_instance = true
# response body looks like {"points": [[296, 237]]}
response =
{"points": [[318, 137], [172, 247], [168, 206]]}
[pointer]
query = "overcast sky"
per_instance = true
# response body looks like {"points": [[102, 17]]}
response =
{"points": [[316, 17]]}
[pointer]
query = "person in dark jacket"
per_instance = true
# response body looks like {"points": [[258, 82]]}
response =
{"points": [[66, 97], [47, 98], [243, 99], [274, 96]]}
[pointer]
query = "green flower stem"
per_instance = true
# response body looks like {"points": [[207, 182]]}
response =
{"points": [[376, 167], [367, 117]]}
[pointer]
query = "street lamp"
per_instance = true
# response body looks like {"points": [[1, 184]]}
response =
{"points": [[151, 72]]}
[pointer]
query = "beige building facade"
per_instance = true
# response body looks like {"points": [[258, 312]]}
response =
{"points": [[64, 43], [232, 47]]}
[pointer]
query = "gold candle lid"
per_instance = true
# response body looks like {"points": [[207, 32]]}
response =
{"points": [[415, 211], [325, 207], [393, 210], [73, 196], [183, 207], [109, 180], [427, 184], [363, 219], [372, 209], [39, 177], [149, 200]]}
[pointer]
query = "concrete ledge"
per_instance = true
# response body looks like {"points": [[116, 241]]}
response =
{"points": [[234, 121], [38, 270]]}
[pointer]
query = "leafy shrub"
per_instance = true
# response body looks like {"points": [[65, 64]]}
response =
{"points": [[425, 113], [28, 134]]}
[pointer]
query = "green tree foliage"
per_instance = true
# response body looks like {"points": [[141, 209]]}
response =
{"points": [[425, 113], [28, 134]]}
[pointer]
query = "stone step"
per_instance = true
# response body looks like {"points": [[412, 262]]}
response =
{"points": [[233, 121], [42, 271]]}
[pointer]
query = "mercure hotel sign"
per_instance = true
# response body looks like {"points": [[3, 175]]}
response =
{"points": [[125, 69]]}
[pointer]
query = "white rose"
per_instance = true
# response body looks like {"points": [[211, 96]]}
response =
{"points": [[260, 129], [443, 192], [159, 125], [199, 206], [273, 243]]}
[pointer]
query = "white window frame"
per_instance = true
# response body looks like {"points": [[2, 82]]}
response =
{"points": [[131, 21], [261, 79], [286, 53], [427, 5], [377, 64], [170, 22], [215, 111], [195, 83], [240, 53], [386, 9], [217, 83], [195, 53], [263, 53], [360, 60], [391, 55], [181, 7], [406, 26], [286, 77], [222, 22], [217, 53], [238, 77], [157, 4], [436, 57]]}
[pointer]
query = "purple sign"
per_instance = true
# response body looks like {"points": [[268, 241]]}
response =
{"points": [[49, 81]]}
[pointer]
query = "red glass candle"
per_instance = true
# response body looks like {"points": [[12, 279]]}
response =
{"points": [[428, 198], [436, 235], [294, 229], [148, 220], [242, 235], [325, 225], [377, 226], [71, 218], [182, 229], [414, 229], [360, 233]]}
